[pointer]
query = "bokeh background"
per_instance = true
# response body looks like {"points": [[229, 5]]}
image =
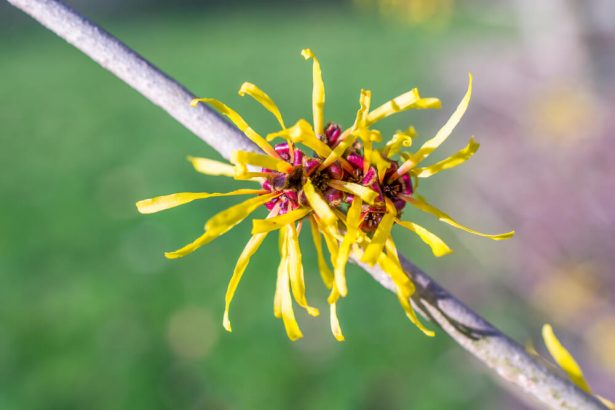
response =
{"points": [[93, 316]]}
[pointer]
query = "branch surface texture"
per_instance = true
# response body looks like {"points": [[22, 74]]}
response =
{"points": [[497, 351]]}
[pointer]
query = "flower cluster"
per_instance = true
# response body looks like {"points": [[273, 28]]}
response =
{"points": [[349, 191]]}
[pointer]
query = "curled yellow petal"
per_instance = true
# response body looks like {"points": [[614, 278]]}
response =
{"points": [[365, 193], [277, 222], [297, 280], [318, 204], [221, 223], [457, 158], [409, 100], [242, 263], [437, 245], [374, 249], [318, 92], [325, 272], [335, 323], [239, 122], [210, 167], [419, 202], [261, 97], [429, 146], [160, 203], [563, 358], [244, 158], [353, 219], [401, 139]]}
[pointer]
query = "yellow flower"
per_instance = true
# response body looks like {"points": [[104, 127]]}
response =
{"points": [[350, 192]]}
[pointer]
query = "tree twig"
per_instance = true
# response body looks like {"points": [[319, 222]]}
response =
{"points": [[463, 325]]}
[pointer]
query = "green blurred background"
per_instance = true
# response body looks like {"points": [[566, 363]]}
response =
{"points": [[93, 316]]}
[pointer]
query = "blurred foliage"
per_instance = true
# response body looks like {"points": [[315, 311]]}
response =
{"points": [[92, 314]]}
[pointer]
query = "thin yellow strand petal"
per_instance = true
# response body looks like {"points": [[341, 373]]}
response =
{"points": [[277, 222], [405, 289], [325, 272], [262, 98], [444, 132], [338, 151], [239, 122], [221, 223], [244, 158], [286, 305], [297, 280], [242, 263], [161, 203], [408, 100], [318, 92], [437, 245], [457, 158], [563, 358], [319, 205], [353, 219], [365, 193], [277, 298], [419, 202], [210, 167]]}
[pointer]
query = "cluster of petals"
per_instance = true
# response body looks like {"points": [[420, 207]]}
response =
{"points": [[348, 187]]}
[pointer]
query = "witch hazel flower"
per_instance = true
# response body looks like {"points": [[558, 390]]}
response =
{"points": [[334, 179]]}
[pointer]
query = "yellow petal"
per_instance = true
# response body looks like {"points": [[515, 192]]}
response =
{"points": [[563, 358], [277, 297], [297, 280], [244, 158], [382, 165], [210, 167], [338, 151], [302, 132], [400, 139], [261, 97], [335, 323], [444, 132], [405, 101], [286, 304], [239, 122], [318, 204], [325, 272], [221, 223], [457, 158], [405, 289], [437, 245], [160, 203], [318, 93], [242, 263], [364, 103], [366, 194], [420, 203], [353, 219], [374, 249], [277, 222]]}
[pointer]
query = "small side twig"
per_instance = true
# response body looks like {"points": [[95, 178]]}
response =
{"points": [[463, 325]]}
